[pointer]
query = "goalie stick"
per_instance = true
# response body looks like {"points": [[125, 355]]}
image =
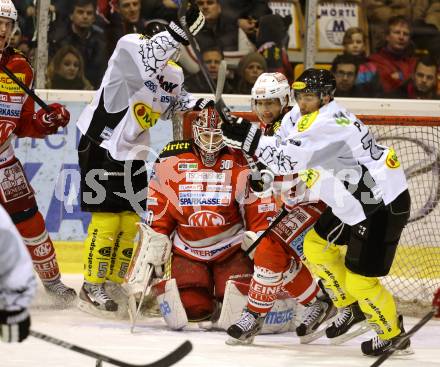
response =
{"points": [[408, 335], [170, 359]]}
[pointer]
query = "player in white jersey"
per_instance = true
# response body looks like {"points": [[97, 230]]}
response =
{"points": [[141, 85], [365, 189], [17, 282]]}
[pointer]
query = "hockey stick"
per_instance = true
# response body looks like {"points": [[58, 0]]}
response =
{"points": [[408, 335], [171, 358], [23, 86], [131, 300]]}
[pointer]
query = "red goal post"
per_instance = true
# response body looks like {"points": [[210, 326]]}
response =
{"points": [[415, 274]]}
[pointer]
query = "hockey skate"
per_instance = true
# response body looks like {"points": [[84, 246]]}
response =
{"points": [[94, 299], [322, 311], [244, 330], [341, 330], [377, 346], [62, 295]]}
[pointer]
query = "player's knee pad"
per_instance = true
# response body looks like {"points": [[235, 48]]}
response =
{"points": [[271, 254], [237, 267], [299, 283], [264, 288], [197, 302], [98, 245], [123, 246], [40, 247]]}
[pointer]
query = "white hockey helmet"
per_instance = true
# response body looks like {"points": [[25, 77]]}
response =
{"points": [[7, 10], [269, 86], [208, 135]]}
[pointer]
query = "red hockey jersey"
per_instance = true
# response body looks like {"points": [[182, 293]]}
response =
{"points": [[205, 210], [16, 108]]}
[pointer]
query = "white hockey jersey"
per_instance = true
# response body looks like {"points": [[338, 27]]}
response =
{"points": [[338, 158], [140, 85], [17, 279]]}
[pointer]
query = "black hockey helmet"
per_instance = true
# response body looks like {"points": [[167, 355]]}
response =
{"points": [[154, 26], [319, 81]]}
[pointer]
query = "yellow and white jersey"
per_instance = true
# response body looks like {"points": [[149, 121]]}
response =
{"points": [[140, 85], [17, 279], [337, 157]]}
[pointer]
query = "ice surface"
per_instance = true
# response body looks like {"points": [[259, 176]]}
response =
{"points": [[152, 340]]}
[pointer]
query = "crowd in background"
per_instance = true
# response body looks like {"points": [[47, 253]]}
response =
{"points": [[398, 57]]}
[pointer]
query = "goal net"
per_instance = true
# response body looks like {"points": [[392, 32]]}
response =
{"points": [[415, 274]]}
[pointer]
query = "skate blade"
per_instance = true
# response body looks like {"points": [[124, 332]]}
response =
{"points": [[233, 341], [90, 309], [341, 339], [306, 339]]}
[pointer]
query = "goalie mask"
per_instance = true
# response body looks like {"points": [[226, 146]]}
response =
{"points": [[267, 87], [208, 135]]}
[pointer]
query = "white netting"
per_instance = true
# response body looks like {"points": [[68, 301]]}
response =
{"points": [[415, 274]]}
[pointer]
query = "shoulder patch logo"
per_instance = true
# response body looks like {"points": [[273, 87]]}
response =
{"points": [[306, 121], [144, 115], [392, 160], [309, 176]]}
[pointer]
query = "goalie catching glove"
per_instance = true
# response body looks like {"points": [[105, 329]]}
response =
{"points": [[193, 19], [48, 122], [241, 134]]}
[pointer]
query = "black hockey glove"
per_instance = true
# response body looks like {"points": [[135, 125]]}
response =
{"points": [[194, 20], [14, 325], [241, 134], [203, 103]]}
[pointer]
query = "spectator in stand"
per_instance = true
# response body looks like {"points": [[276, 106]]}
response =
{"points": [[81, 33], [355, 44], [379, 12], [66, 70], [272, 41], [250, 68], [395, 62], [16, 38], [345, 69], [426, 33], [218, 29], [244, 8], [423, 84], [196, 83]]}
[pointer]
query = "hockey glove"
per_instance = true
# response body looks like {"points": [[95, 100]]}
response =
{"points": [[48, 122], [14, 325], [194, 20], [241, 134], [261, 184], [203, 103]]}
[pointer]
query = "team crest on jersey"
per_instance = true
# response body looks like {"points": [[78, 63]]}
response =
{"points": [[392, 160], [6, 129], [145, 116], [309, 176], [307, 120], [206, 218]]}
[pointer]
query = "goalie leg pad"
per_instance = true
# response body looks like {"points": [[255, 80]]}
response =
{"points": [[236, 266], [123, 247], [170, 305]]}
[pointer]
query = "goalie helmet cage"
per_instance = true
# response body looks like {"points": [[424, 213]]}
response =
{"points": [[415, 274]]}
